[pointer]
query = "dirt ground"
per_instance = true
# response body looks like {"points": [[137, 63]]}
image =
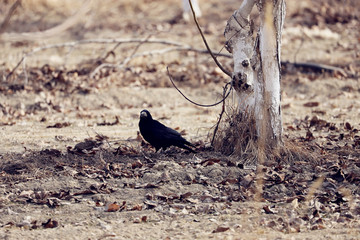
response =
{"points": [[72, 165]]}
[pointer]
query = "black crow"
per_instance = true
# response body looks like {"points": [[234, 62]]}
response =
{"points": [[160, 136]]}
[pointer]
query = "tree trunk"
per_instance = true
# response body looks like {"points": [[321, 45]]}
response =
{"points": [[256, 75]]}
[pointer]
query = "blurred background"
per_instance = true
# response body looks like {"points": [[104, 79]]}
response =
{"points": [[43, 84]]}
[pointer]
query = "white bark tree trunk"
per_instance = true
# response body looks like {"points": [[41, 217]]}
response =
{"points": [[256, 75]]}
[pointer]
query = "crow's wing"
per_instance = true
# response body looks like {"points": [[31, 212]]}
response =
{"points": [[164, 132], [160, 136], [168, 136]]}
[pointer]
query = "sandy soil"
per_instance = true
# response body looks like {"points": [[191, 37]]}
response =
{"points": [[118, 188]]}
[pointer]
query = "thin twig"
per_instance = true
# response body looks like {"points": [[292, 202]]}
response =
{"points": [[180, 47], [147, 158], [138, 46], [6, 20], [177, 47], [98, 134], [119, 65], [25, 72], [206, 44], [69, 22], [220, 117], [198, 104], [111, 52], [298, 49], [17, 65], [320, 67], [148, 53]]}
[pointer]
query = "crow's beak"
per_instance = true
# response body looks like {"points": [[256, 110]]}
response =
{"points": [[143, 114]]}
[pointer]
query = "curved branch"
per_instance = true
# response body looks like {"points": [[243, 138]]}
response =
{"points": [[149, 53], [198, 104], [206, 44], [6, 20], [32, 36], [177, 47]]}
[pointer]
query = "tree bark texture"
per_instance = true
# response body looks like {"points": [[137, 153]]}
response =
{"points": [[256, 76]]}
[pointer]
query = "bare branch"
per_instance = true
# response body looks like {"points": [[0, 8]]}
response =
{"points": [[92, 75], [318, 67], [177, 47], [150, 53], [25, 72], [198, 104], [6, 20], [220, 117], [33, 36], [206, 44], [138, 46]]}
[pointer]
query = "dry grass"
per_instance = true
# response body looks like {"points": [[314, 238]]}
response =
{"points": [[237, 134], [237, 137]]}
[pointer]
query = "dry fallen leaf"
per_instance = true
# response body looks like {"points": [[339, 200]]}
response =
{"points": [[104, 123], [209, 162], [136, 208], [113, 207], [59, 125], [309, 136], [220, 229], [348, 126], [311, 104], [50, 224], [136, 164], [185, 195], [268, 210]]}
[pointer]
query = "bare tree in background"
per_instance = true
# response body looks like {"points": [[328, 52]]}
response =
{"points": [[256, 75]]}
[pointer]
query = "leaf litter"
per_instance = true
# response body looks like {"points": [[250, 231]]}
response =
{"points": [[124, 181]]}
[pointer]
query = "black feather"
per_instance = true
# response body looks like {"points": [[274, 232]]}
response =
{"points": [[160, 136]]}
